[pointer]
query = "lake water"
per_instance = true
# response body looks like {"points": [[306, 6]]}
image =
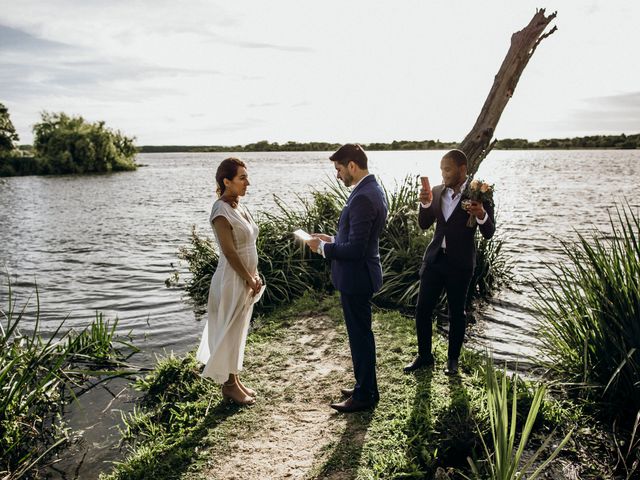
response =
{"points": [[108, 242]]}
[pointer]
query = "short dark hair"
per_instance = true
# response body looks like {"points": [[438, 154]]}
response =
{"points": [[350, 152], [228, 169], [457, 156]]}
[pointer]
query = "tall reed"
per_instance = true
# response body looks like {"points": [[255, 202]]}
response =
{"points": [[504, 453], [289, 269], [39, 374], [590, 316]]}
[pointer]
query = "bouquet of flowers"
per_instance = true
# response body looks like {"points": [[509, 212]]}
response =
{"points": [[479, 191]]}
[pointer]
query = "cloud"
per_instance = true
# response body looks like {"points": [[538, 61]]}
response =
{"points": [[262, 45], [609, 114], [240, 125], [33, 67], [263, 104], [12, 39]]}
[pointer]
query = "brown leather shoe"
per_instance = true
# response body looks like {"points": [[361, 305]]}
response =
{"points": [[245, 389], [233, 393], [351, 405], [346, 392]]}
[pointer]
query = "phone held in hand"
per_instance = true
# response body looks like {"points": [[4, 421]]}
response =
{"points": [[425, 183]]}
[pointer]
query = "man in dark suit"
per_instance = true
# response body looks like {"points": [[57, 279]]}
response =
{"points": [[450, 258], [356, 271]]}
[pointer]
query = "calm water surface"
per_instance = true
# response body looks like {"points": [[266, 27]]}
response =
{"points": [[108, 242]]}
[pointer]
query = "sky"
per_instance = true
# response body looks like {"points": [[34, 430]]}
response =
{"points": [[204, 72]]}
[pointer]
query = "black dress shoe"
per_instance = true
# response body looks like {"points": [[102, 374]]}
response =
{"points": [[418, 363], [452, 367], [351, 405]]}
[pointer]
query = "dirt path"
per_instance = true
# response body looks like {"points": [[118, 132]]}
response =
{"points": [[294, 431]]}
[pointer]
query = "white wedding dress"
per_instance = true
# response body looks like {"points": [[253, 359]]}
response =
{"points": [[230, 299]]}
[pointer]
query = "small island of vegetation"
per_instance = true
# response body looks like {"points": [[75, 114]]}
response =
{"points": [[64, 144]]}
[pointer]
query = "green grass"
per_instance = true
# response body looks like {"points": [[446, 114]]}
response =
{"points": [[423, 422]]}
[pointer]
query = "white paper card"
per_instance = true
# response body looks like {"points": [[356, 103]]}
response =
{"points": [[302, 235]]}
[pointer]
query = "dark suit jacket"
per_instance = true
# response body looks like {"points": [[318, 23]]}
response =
{"points": [[354, 254], [461, 246]]}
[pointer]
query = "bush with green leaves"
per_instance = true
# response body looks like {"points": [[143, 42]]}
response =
{"points": [[289, 269], [68, 144]]}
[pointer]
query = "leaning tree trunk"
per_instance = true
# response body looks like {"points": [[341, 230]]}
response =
{"points": [[478, 142]]}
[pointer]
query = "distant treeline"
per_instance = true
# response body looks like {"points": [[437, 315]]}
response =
{"points": [[621, 141], [265, 146], [597, 141]]}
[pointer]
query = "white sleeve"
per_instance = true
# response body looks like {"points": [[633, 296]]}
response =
{"points": [[218, 210], [483, 220]]}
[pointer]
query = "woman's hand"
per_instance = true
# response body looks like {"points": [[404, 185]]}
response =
{"points": [[255, 284]]}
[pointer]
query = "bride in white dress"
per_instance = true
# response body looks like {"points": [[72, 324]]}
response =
{"points": [[234, 285]]}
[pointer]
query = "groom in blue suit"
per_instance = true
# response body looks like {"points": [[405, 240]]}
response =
{"points": [[356, 271]]}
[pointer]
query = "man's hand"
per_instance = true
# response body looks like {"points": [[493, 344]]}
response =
{"points": [[476, 209], [426, 196], [314, 244], [322, 236]]}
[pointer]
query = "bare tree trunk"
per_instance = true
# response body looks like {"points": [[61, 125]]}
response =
{"points": [[477, 144]]}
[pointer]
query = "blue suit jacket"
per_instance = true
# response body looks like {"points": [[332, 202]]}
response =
{"points": [[354, 254]]}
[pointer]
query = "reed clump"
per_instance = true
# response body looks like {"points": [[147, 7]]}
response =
{"points": [[289, 269], [590, 327], [40, 373], [590, 317]]}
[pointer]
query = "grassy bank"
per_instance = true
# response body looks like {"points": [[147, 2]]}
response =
{"points": [[40, 374], [298, 359]]}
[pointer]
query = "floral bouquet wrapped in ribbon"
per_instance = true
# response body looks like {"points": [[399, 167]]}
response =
{"points": [[479, 191]]}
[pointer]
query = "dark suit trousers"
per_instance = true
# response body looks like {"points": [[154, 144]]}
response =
{"points": [[437, 277], [357, 316]]}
